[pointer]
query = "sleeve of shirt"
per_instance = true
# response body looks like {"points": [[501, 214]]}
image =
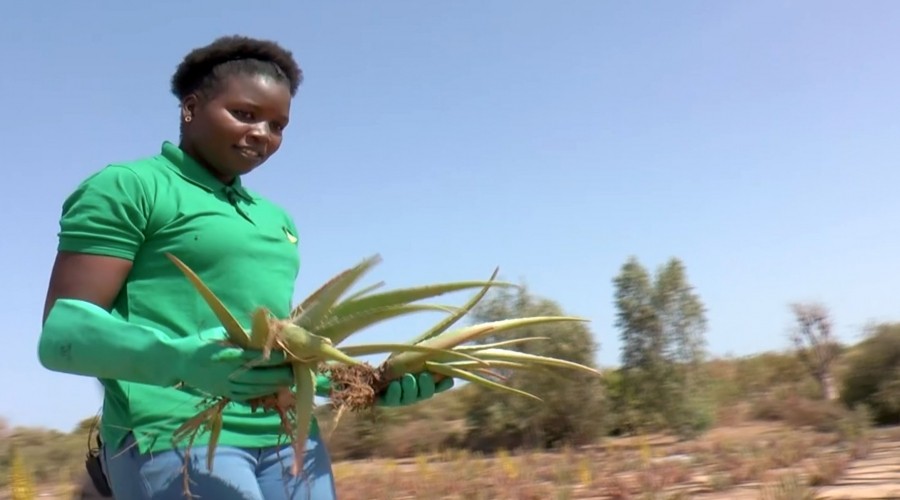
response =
{"points": [[105, 215]]}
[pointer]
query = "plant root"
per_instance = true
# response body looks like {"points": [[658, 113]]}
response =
{"points": [[356, 387]]}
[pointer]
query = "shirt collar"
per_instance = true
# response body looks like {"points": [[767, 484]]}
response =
{"points": [[189, 169]]}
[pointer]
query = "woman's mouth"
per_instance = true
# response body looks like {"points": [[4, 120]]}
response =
{"points": [[249, 153]]}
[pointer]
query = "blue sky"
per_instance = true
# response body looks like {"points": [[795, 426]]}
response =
{"points": [[757, 141]]}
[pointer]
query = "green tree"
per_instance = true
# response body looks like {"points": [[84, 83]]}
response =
{"points": [[872, 374], [572, 408], [662, 324]]}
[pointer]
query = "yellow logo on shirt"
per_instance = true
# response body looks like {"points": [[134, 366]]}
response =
{"points": [[290, 237]]}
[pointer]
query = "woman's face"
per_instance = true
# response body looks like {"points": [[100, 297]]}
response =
{"points": [[239, 127]]}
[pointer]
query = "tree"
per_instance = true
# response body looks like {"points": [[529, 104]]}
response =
{"points": [[572, 408], [815, 345], [872, 374], [662, 324]]}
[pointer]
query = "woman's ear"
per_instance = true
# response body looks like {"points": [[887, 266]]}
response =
{"points": [[188, 106]]}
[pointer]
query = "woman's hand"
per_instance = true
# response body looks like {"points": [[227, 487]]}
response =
{"points": [[412, 389], [206, 364]]}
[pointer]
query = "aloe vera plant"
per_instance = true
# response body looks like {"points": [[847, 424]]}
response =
{"points": [[312, 336]]}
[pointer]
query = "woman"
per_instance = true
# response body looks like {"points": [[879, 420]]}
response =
{"points": [[117, 309]]}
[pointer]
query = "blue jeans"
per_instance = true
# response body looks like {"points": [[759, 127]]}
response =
{"points": [[238, 473]]}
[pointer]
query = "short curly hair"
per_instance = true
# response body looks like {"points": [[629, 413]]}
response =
{"points": [[205, 68]]}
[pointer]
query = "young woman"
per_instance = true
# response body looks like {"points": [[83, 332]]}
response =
{"points": [[118, 309]]}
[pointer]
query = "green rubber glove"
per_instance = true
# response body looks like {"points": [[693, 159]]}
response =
{"points": [[412, 389], [213, 368], [323, 385], [409, 390], [84, 339]]}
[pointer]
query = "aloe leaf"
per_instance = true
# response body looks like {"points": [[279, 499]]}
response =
{"points": [[543, 370], [503, 343], [454, 338], [302, 345], [312, 310], [259, 328], [215, 430], [407, 295], [192, 424], [370, 349], [307, 302], [365, 291], [451, 339], [304, 402], [446, 323], [339, 328], [466, 365], [449, 371], [521, 357], [236, 333], [490, 374], [332, 353]]}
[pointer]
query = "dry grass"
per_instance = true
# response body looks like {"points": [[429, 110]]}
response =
{"points": [[827, 469], [759, 461], [776, 461]]}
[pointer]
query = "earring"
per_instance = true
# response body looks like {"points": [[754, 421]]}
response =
{"points": [[187, 118]]}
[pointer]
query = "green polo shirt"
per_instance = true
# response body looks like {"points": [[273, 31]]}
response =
{"points": [[243, 246]]}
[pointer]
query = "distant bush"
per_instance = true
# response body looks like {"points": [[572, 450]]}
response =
{"points": [[793, 408], [872, 374], [50, 455]]}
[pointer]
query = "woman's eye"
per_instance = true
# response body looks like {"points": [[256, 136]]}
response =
{"points": [[244, 115]]}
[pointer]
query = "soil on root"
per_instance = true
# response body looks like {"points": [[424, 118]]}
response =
{"points": [[356, 387]]}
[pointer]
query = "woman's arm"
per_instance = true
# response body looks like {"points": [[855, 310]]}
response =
{"points": [[92, 278], [102, 229]]}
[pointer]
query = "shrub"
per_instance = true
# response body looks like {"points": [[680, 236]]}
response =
{"points": [[872, 374]]}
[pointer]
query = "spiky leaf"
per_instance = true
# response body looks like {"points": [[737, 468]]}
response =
{"points": [[339, 328], [215, 430], [236, 333], [259, 329], [365, 291], [304, 403], [312, 310], [449, 371], [522, 357], [370, 349], [446, 323], [502, 343], [406, 296], [470, 364], [512, 366], [301, 345], [408, 361]]}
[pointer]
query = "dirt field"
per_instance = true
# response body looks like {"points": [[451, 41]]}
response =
{"points": [[740, 463], [756, 461]]}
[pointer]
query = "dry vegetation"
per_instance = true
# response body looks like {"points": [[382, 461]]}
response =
{"points": [[807, 456], [765, 426], [756, 460], [752, 459]]}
